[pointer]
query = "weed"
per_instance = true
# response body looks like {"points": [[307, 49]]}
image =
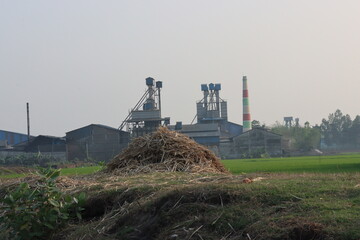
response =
{"points": [[34, 212]]}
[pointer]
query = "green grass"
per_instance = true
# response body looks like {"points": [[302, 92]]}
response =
{"points": [[79, 170], [312, 164], [13, 175]]}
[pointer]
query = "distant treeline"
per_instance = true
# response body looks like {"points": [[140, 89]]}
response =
{"points": [[337, 131], [340, 130]]}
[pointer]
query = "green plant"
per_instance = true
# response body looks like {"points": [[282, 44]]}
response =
{"points": [[102, 164], [34, 212]]}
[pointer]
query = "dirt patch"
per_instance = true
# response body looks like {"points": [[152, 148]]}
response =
{"points": [[303, 229], [99, 204], [165, 151], [160, 219]]}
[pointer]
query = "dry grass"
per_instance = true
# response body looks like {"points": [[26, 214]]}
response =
{"points": [[165, 151], [213, 206]]}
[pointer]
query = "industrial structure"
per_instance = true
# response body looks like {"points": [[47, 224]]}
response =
{"points": [[95, 141], [11, 138], [246, 106], [212, 129], [288, 121], [145, 117], [211, 109], [255, 142], [43, 144], [225, 138]]}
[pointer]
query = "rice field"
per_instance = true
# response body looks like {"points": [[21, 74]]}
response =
{"points": [[311, 164]]}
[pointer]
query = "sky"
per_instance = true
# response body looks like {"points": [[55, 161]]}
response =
{"points": [[79, 62]]}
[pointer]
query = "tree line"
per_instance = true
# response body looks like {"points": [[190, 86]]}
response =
{"points": [[338, 131]]}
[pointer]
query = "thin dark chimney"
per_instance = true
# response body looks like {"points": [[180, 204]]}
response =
{"points": [[28, 121]]}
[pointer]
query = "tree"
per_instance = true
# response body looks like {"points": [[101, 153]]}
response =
{"points": [[256, 124], [336, 130], [355, 131], [301, 138]]}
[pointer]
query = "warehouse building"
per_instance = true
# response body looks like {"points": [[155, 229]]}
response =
{"points": [[43, 144], [11, 138], [95, 141]]}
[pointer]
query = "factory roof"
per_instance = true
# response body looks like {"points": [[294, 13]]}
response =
{"points": [[258, 129], [198, 128], [96, 125]]}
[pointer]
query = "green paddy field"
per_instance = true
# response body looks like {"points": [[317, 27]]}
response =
{"points": [[312, 164], [346, 163]]}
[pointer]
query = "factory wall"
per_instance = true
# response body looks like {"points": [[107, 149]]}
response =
{"points": [[227, 150], [97, 142], [47, 144], [61, 156]]}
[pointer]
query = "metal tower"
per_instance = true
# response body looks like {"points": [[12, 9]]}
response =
{"points": [[211, 108], [145, 117], [288, 121]]}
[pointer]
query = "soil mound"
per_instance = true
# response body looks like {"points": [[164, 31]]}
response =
{"points": [[165, 151]]}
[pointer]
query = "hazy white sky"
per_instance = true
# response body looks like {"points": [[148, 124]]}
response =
{"points": [[82, 62]]}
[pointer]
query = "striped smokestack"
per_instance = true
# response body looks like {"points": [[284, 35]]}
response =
{"points": [[246, 108]]}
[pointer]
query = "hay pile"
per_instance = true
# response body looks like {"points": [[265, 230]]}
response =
{"points": [[165, 151]]}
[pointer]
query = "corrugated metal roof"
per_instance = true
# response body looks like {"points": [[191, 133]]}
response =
{"points": [[97, 125], [198, 128], [259, 129], [202, 134], [14, 132]]}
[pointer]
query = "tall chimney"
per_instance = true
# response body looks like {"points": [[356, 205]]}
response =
{"points": [[28, 121], [246, 108]]}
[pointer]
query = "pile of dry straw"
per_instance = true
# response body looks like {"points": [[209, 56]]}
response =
{"points": [[165, 151]]}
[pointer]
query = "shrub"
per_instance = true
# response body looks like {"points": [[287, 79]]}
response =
{"points": [[34, 212]]}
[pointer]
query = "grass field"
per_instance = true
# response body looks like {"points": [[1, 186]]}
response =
{"points": [[292, 198], [313, 164]]}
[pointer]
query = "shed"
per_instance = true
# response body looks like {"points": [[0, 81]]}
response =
{"points": [[95, 141], [43, 143], [257, 141], [12, 138]]}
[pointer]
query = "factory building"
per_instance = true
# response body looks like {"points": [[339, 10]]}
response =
{"points": [[206, 134], [257, 141], [225, 138], [42, 144], [9, 139], [212, 128], [96, 142]]}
